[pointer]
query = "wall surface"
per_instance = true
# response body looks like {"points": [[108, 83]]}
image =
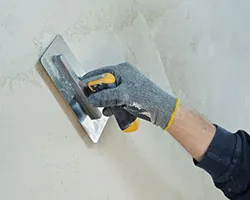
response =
{"points": [[44, 153], [203, 46]]}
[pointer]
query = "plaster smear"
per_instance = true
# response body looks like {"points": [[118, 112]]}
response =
{"points": [[44, 152]]}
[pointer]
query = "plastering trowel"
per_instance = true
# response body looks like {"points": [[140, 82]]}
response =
{"points": [[61, 65]]}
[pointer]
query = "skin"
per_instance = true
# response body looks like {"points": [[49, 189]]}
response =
{"points": [[192, 131]]}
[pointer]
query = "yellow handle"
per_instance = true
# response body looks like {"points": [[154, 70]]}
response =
{"points": [[132, 127], [106, 78]]}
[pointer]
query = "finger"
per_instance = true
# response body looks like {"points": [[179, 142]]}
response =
{"points": [[107, 98], [107, 112]]}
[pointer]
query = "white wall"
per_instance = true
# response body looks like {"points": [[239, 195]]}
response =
{"points": [[45, 154], [204, 46]]}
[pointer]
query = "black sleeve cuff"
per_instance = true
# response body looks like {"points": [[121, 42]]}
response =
{"points": [[221, 156], [227, 161]]}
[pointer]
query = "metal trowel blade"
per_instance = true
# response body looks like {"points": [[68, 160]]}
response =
{"points": [[61, 66]]}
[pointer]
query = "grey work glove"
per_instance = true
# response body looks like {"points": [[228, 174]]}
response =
{"points": [[134, 93]]}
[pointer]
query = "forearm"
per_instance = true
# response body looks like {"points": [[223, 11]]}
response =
{"points": [[225, 156], [192, 131]]}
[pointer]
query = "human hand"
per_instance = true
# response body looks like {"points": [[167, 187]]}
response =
{"points": [[135, 93]]}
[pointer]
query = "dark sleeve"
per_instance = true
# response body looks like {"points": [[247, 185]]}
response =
{"points": [[228, 162]]}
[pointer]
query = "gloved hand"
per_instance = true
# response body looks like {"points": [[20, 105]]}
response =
{"points": [[135, 93]]}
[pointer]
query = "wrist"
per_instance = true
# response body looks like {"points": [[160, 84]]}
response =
{"points": [[192, 131]]}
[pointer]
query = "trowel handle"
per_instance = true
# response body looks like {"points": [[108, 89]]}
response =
{"points": [[126, 121], [101, 82]]}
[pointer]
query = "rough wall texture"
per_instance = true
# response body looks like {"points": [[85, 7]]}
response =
{"points": [[44, 153]]}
